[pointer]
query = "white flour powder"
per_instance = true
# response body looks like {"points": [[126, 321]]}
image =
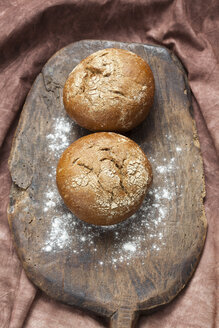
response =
{"points": [[130, 237]]}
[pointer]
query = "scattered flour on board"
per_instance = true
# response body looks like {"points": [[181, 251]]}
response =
{"points": [[129, 247], [128, 238], [58, 235], [58, 141], [178, 149]]}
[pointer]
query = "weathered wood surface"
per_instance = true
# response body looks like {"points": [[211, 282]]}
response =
{"points": [[142, 263]]}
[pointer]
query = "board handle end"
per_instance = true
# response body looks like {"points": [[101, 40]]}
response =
{"points": [[124, 317]]}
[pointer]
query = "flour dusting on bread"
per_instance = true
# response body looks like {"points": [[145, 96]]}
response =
{"points": [[110, 90], [108, 173]]}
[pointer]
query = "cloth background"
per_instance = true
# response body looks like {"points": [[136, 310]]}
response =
{"points": [[32, 31]]}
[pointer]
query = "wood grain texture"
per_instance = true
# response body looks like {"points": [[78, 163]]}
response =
{"points": [[134, 266]]}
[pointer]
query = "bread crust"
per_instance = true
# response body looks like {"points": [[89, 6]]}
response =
{"points": [[103, 177], [110, 90]]}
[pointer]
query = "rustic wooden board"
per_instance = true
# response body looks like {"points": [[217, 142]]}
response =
{"points": [[142, 263]]}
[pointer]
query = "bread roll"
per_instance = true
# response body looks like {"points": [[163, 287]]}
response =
{"points": [[110, 90], [103, 177]]}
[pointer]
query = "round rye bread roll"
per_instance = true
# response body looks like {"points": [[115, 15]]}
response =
{"points": [[103, 177], [110, 90]]}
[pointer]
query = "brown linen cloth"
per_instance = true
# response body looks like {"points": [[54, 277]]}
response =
{"points": [[32, 31]]}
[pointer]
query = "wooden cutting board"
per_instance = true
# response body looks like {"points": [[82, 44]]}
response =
{"points": [[142, 263]]}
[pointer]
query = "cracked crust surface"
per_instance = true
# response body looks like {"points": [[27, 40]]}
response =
{"points": [[103, 177], [110, 90]]}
